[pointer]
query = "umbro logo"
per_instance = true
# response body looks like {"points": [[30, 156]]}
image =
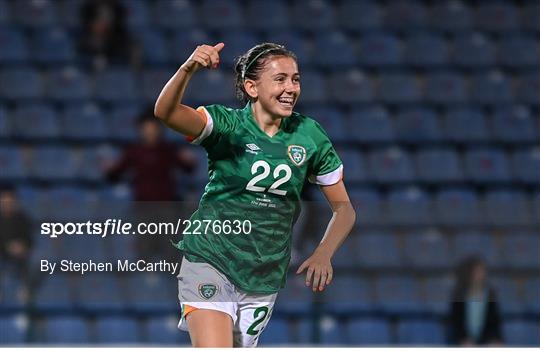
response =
{"points": [[253, 149]]}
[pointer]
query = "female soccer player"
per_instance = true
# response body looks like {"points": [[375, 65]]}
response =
{"points": [[236, 257]]}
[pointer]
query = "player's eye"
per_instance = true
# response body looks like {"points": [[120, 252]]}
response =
{"points": [[296, 79]]}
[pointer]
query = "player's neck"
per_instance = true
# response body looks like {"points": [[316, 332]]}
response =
{"points": [[265, 121]]}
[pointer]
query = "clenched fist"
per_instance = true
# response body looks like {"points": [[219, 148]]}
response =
{"points": [[203, 56]]}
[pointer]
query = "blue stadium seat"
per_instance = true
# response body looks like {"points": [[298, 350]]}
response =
{"points": [[137, 14], [396, 294], [35, 121], [296, 297], [527, 88], [526, 164], [338, 51], [397, 88], [513, 125], [54, 293], [467, 244], [379, 50], [5, 12], [69, 13], [486, 165], [5, 125], [508, 295], [117, 330], [445, 88], [451, 16], [473, 50], [331, 119], [153, 80], [491, 88], [409, 206], [356, 15], [122, 121], [184, 42], [314, 87], [65, 330], [507, 207], [14, 329], [457, 207], [164, 331], [436, 294], [84, 247], [12, 163], [370, 124], [368, 205], [209, 87], [420, 332], [74, 203], [518, 51], [532, 294], [237, 42], [349, 87], [269, 16], [221, 14], [101, 291], [153, 43], [522, 333], [368, 331], [438, 165], [174, 14], [52, 46], [295, 42], [276, 332], [332, 331], [152, 292], [427, 249], [20, 83], [348, 295], [35, 14], [84, 122], [93, 161], [417, 125], [520, 249], [425, 49], [530, 16], [13, 45], [116, 84], [356, 166], [315, 14], [391, 165], [378, 250], [406, 15], [68, 84], [465, 125], [31, 200], [53, 163], [498, 16], [12, 288]]}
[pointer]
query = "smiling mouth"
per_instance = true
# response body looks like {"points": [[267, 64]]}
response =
{"points": [[287, 102]]}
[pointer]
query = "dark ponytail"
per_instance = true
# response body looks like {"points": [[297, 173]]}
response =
{"points": [[251, 64]]}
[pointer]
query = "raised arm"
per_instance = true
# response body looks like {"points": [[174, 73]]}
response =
{"points": [[168, 107]]}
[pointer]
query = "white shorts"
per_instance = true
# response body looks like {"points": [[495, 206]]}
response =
{"points": [[201, 286]]}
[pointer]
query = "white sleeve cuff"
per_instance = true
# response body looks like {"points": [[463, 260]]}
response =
{"points": [[207, 128], [328, 178]]}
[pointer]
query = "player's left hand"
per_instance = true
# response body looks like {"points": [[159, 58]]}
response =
{"points": [[319, 271]]}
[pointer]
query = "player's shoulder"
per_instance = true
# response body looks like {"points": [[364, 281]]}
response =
{"points": [[307, 125]]}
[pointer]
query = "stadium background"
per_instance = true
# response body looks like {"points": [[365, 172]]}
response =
{"points": [[432, 105]]}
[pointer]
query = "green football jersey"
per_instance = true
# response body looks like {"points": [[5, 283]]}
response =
{"points": [[255, 183]]}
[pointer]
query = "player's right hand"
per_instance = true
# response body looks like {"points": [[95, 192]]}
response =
{"points": [[204, 56]]}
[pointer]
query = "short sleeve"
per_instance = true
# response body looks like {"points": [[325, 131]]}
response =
{"points": [[218, 123], [327, 168]]}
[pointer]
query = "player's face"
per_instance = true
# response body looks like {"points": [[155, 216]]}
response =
{"points": [[278, 87]]}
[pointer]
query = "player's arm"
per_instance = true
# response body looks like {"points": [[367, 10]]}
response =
{"points": [[319, 266], [168, 107]]}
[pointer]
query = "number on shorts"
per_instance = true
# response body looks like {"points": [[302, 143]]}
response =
{"points": [[259, 315]]}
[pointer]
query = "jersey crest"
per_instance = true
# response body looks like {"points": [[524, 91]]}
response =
{"points": [[297, 154], [207, 291]]}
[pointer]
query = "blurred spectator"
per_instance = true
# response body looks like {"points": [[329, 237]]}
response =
{"points": [[15, 233], [105, 38], [474, 314], [152, 163]]}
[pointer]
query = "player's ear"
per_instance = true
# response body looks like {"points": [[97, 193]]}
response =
{"points": [[251, 88]]}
